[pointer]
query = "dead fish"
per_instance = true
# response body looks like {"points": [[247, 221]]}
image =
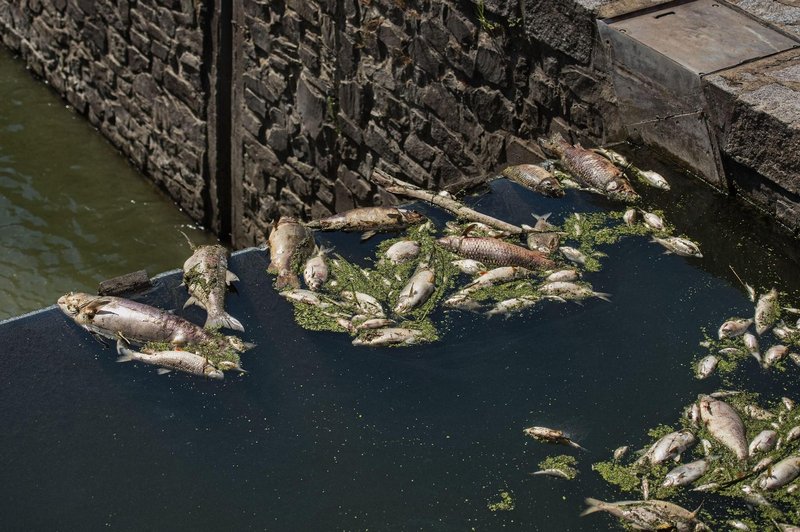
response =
{"points": [[763, 442], [737, 525], [645, 488], [707, 447], [619, 452], [552, 473], [719, 394], [365, 302], [759, 413], [754, 498], [549, 435], [571, 291], [679, 246], [390, 336], [543, 242], [374, 323], [780, 474], [793, 434], [788, 404], [469, 266], [509, 306], [573, 255], [417, 291], [686, 473], [630, 217], [652, 178], [565, 276], [370, 219], [724, 424], [766, 311], [542, 225], [648, 515], [308, 297], [167, 361], [795, 358], [668, 447], [734, 327], [496, 251], [474, 229], [315, 272], [706, 366], [403, 251], [617, 158], [206, 277], [774, 354], [762, 464], [591, 170], [786, 527], [751, 344], [711, 486], [463, 303], [112, 317], [534, 178], [289, 241], [652, 220]]}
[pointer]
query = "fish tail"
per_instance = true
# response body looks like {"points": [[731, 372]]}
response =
{"points": [[126, 355], [595, 505], [543, 217], [577, 446], [287, 279], [223, 320], [602, 295]]}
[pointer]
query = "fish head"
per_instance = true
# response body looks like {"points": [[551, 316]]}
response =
{"points": [[412, 217], [621, 189], [551, 186], [554, 145], [71, 304]]}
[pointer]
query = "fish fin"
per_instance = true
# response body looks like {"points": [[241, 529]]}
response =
{"points": [[602, 295], [697, 511], [577, 446], [595, 505], [542, 217], [192, 301], [223, 320], [367, 235], [125, 358], [230, 277], [163, 371], [286, 280]]}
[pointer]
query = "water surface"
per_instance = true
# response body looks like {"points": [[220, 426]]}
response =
{"points": [[73, 211]]}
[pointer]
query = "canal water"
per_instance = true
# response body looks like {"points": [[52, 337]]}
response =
{"points": [[73, 211], [320, 435]]}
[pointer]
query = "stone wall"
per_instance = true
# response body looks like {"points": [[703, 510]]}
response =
{"points": [[135, 69], [436, 92]]}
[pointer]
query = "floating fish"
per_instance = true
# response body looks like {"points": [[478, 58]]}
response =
{"points": [[767, 311], [706, 366], [573, 255], [508, 306], [566, 276], [167, 361], [542, 225], [365, 302], [620, 452], [546, 242], [535, 178], [733, 327], [763, 442], [615, 157], [648, 515], [370, 219], [389, 336], [653, 221], [417, 291], [571, 291], [469, 266], [549, 435], [668, 447], [686, 473], [780, 474], [751, 343], [724, 424], [774, 354], [403, 251], [206, 277], [553, 472], [679, 246], [630, 217], [494, 251], [315, 272], [289, 242], [652, 178]]}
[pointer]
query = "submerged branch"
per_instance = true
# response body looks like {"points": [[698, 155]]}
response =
{"points": [[396, 186]]}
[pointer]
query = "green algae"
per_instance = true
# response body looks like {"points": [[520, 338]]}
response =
{"points": [[563, 462], [217, 350], [505, 504]]}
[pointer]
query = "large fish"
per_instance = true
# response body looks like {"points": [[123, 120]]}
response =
{"points": [[668, 447], [315, 273], [417, 290], [535, 178], [780, 474], [206, 277], [370, 219], [591, 169], [686, 473], [725, 425], [767, 311], [648, 515], [171, 360], [390, 336], [289, 242], [112, 317], [494, 251]]}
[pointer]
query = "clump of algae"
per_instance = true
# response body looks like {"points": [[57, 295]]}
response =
{"points": [[563, 462], [505, 504]]}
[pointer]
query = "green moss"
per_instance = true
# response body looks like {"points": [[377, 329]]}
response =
{"points": [[660, 431], [505, 504], [563, 463], [624, 477], [313, 318]]}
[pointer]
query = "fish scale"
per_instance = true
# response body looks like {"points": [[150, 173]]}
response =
{"points": [[496, 252]]}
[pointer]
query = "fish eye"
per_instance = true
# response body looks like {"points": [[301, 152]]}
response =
{"points": [[612, 186]]}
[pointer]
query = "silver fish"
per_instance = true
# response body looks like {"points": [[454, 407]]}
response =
{"points": [[630, 217], [496, 251], [619, 452], [206, 277], [774, 354], [565, 276], [365, 302], [706, 366], [759, 413], [373, 323], [308, 297], [509, 306], [496, 276], [686, 473], [171, 360], [613, 156], [417, 291], [724, 424], [763, 442], [789, 404], [767, 310], [653, 220], [648, 515], [370, 219], [571, 291], [315, 272], [653, 179], [762, 464], [795, 358], [548, 435], [469, 266], [793, 434], [737, 525], [668, 447], [289, 241], [112, 317], [590, 169], [535, 178], [552, 473], [734, 327], [403, 251], [573, 255], [780, 474], [679, 246], [751, 343], [389, 336]]}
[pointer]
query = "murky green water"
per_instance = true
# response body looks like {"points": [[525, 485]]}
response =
{"points": [[73, 211]]}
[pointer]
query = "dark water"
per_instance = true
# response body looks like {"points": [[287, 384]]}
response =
{"points": [[73, 211], [322, 436]]}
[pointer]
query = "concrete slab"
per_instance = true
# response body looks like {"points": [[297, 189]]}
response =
{"points": [[783, 14]]}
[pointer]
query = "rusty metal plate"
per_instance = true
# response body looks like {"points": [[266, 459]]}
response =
{"points": [[703, 36]]}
